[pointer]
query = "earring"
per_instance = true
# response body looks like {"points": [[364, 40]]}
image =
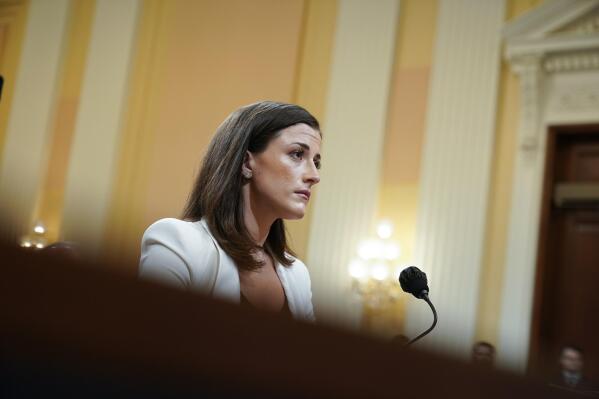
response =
{"points": [[247, 174]]}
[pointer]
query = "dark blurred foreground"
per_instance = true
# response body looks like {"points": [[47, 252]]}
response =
{"points": [[69, 328]]}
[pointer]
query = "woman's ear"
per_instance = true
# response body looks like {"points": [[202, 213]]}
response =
{"points": [[247, 165]]}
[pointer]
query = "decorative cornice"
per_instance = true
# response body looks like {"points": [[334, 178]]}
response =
{"points": [[586, 25], [557, 26], [549, 17], [559, 36], [553, 44], [566, 62]]}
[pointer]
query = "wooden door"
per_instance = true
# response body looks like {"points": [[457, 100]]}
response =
{"points": [[566, 307]]}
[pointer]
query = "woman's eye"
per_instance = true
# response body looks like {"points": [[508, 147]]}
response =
{"points": [[317, 164], [297, 154]]}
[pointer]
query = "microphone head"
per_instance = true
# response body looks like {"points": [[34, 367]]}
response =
{"points": [[413, 281]]}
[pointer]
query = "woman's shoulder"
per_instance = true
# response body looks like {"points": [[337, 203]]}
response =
{"points": [[180, 253], [171, 230]]}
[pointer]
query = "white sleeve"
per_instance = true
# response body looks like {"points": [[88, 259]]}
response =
{"points": [[176, 253], [310, 317], [306, 291]]}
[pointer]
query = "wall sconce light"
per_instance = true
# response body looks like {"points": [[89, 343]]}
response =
{"points": [[375, 270], [37, 238]]}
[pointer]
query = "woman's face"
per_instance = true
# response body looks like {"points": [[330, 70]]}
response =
{"points": [[284, 173]]}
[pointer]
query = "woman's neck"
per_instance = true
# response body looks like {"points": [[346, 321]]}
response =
{"points": [[258, 230], [256, 222]]}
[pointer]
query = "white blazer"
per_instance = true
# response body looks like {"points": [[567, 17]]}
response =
{"points": [[186, 255]]}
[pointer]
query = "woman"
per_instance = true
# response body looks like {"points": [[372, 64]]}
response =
{"points": [[259, 169]]}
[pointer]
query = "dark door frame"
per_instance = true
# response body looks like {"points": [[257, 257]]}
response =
{"points": [[541, 262]]}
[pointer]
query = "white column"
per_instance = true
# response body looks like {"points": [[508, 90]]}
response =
{"points": [[352, 147], [30, 121], [97, 130], [456, 169], [521, 251]]}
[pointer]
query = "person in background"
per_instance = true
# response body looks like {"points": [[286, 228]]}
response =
{"points": [[231, 243], [571, 374], [483, 354]]}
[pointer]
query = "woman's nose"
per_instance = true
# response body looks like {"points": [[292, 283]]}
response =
{"points": [[312, 175]]}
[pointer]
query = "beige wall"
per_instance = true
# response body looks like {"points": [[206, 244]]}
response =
{"points": [[193, 62], [204, 79]]}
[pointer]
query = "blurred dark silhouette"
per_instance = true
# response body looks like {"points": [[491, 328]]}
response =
{"points": [[571, 375], [70, 328], [66, 249], [483, 354], [400, 340]]}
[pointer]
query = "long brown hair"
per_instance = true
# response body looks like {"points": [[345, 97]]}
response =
{"points": [[216, 194]]}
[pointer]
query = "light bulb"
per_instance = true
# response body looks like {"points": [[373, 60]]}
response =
{"points": [[358, 269], [391, 251], [379, 271], [384, 229], [370, 249]]}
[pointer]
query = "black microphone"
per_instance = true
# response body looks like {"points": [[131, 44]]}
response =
{"points": [[413, 281]]}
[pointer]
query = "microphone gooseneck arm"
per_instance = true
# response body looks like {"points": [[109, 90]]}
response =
{"points": [[425, 297]]}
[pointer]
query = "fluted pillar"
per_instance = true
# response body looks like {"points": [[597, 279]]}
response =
{"points": [[95, 142], [456, 168], [352, 148], [25, 156]]}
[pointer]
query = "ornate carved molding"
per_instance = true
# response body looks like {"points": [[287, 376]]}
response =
{"points": [[566, 62], [577, 98], [528, 68]]}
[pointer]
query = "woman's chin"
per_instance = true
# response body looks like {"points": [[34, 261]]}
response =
{"points": [[295, 214]]}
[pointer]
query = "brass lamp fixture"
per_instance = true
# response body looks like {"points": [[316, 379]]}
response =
{"points": [[36, 239], [376, 269]]}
